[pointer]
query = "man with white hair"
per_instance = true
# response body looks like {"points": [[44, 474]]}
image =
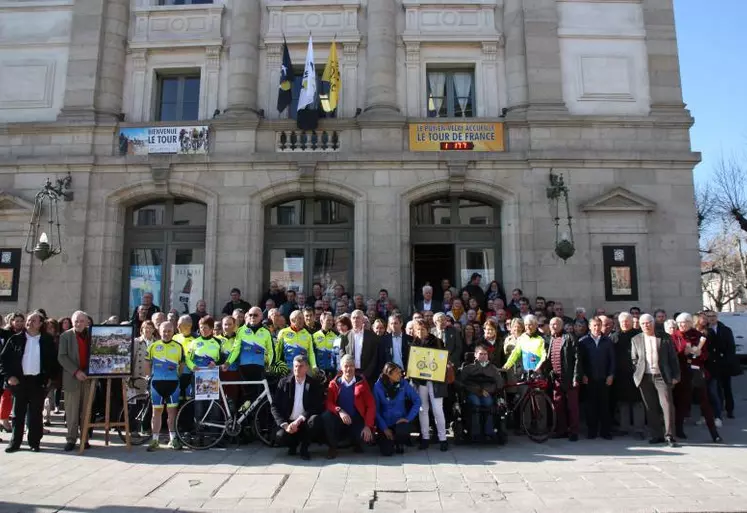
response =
{"points": [[656, 372], [428, 304], [530, 347], [625, 395], [73, 357], [362, 345]]}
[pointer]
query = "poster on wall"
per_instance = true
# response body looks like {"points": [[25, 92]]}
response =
{"points": [[620, 273], [111, 351], [184, 140], [186, 287], [10, 271], [144, 279]]}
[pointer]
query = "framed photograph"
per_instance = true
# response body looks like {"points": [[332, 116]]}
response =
{"points": [[620, 273], [207, 385], [10, 272], [111, 352]]}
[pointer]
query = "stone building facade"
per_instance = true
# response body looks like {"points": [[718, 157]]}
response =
{"points": [[589, 90]]}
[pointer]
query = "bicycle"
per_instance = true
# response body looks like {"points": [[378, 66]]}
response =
{"points": [[534, 406], [140, 412], [201, 425]]}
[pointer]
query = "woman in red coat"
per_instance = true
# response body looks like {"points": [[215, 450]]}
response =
{"points": [[691, 343]]}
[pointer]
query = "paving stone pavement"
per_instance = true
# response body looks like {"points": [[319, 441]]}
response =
{"points": [[588, 476]]}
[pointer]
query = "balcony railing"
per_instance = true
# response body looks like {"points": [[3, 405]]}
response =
{"points": [[299, 141]]}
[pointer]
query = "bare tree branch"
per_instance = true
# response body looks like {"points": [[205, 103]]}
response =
{"points": [[705, 206], [730, 198]]}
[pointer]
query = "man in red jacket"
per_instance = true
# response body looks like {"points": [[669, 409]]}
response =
{"points": [[351, 410]]}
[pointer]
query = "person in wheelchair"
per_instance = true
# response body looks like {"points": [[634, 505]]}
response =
{"points": [[480, 382]]}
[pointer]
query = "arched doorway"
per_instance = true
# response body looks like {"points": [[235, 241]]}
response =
{"points": [[309, 240], [453, 237], [164, 254]]}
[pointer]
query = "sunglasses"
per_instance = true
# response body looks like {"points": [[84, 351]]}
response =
{"points": [[253, 315]]}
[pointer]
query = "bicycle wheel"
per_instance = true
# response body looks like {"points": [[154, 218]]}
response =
{"points": [[264, 424], [201, 424], [140, 413], [538, 416]]}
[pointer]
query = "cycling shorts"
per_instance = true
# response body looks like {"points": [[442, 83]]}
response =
{"points": [[165, 393]]}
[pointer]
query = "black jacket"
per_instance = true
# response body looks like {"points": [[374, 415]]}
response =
{"points": [[231, 306], [285, 393], [452, 341], [152, 309], [571, 362], [724, 337], [439, 389], [386, 350], [11, 358], [624, 386], [598, 362]]}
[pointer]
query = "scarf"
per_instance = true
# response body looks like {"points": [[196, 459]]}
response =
{"points": [[457, 312], [391, 389]]}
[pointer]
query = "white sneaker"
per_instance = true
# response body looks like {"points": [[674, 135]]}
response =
{"points": [[700, 422], [719, 422]]}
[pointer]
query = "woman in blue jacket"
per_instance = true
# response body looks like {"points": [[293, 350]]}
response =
{"points": [[393, 417]]}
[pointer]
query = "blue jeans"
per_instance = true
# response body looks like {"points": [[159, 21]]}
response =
{"points": [[713, 396], [478, 402]]}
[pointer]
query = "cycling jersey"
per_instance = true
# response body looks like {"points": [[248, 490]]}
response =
{"points": [[531, 350], [293, 343], [185, 341], [164, 358], [202, 351], [254, 348], [326, 352], [226, 348]]}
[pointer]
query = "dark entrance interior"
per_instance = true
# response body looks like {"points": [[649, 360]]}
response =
{"points": [[432, 263]]}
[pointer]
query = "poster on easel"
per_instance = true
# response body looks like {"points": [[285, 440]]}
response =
{"points": [[111, 352]]}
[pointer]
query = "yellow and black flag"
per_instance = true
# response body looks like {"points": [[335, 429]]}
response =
{"points": [[331, 83], [285, 93]]}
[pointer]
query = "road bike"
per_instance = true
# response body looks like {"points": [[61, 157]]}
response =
{"points": [[534, 408], [140, 412], [204, 424]]}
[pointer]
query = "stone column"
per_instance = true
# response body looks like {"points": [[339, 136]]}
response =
{"points": [[96, 62], [244, 58], [414, 94], [544, 76], [212, 72], [663, 61], [516, 61], [381, 58], [350, 79], [139, 70]]}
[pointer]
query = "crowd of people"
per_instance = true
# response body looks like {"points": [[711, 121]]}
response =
{"points": [[343, 363]]}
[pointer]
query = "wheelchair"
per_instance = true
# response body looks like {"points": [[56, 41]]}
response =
{"points": [[461, 424]]}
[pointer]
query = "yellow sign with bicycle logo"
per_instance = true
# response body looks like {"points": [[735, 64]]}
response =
{"points": [[427, 363]]}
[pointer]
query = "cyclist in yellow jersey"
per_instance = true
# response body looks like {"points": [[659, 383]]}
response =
{"points": [[163, 362], [184, 337], [326, 353], [295, 340], [229, 371], [205, 351], [253, 352]]}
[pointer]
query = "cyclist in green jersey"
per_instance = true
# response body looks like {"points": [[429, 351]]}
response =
{"points": [[327, 353], [163, 362], [184, 337], [229, 371], [295, 340]]}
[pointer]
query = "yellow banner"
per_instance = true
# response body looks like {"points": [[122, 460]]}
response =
{"points": [[426, 363], [456, 137]]}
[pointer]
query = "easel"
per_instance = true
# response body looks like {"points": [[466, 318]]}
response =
{"points": [[107, 425]]}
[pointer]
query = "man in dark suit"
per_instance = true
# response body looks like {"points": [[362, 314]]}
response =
{"points": [[566, 371], [656, 372], [28, 361], [728, 364], [450, 337], [598, 363], [395, 345], [296, 406], [428, 303], [363, 345]]}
